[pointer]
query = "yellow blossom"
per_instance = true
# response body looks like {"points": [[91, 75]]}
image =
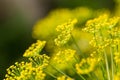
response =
{"points": [[24, 71], [86, 66], [64, 56], [64, 32], [117, 57], [103, 21], [64, 78], [40, 60], [34, 49]]}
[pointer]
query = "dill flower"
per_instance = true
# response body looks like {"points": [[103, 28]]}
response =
{"points": [[32, 73], [86, 66], [117, 57], [64, 32], [24, 71], [102, 22], [103, 30], [14, 71], [64, 78], [34, 49], [93, 26], [64, 56], [114, 32], [41, 30], [40, 60], [39, 74], [100, 43], [105, 37]]}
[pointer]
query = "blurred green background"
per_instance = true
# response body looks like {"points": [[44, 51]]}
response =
{"points": [[17, 18]]}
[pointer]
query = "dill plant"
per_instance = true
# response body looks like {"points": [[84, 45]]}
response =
{"points": [[67, 60]]}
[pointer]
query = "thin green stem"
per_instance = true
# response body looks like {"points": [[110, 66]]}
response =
{"points": [[90, 75], [107, 66], [103, 70], [50, 74], [76, 59], [105, 56], [111, 54], [79, 74], [93, 74], [59, 71], [76, 44], [75, 70], [112, 63]]}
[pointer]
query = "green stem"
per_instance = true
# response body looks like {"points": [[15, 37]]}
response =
{"points": [[93, 74], [75, 70], [59, 71], [76, 59], [112, 63], [106, 60], [111, 54], [103, 70], [90, 75], [50, 74], [107, 66], [76, 44]]}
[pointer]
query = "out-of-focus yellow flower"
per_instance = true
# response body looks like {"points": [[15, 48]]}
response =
{"points": [[64, 78], [117, 57], [116, 77], [46, 27], [34, 49], [86, 66]]}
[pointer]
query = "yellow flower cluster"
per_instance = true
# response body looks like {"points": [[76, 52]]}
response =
{"points": [[86, 66], [114, 32], [106, 39], [38, 73], [41, 30], [31, 72], [40, 60], [34, 49], [103, 30], [24, 71], [93, 26], [64, 32], [117, 57], [64, 56], [100, 43], [14, 72], [34, 68], [66, 64], [64, 78], [102, 22]]}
